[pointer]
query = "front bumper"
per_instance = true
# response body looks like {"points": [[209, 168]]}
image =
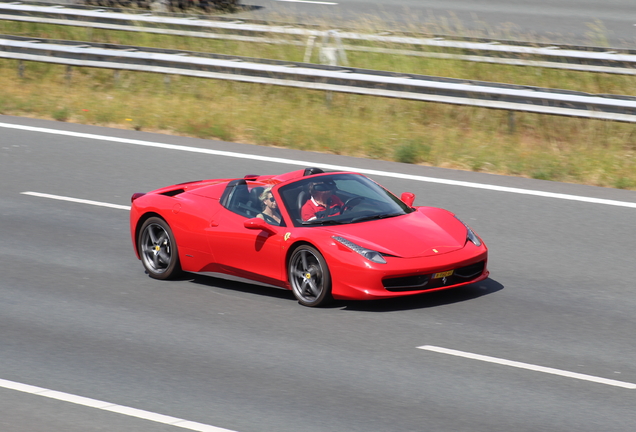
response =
{"points": [[355, 278]]}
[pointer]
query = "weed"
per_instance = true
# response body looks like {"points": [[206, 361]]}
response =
{"points": [[543, 147], [62, 114], [624, 183], [408, 152]]}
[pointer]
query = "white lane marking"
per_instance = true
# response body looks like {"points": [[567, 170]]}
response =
{"points": [[308, 1], [326, 166], [529, 366], [107, 406], [77, 200]]}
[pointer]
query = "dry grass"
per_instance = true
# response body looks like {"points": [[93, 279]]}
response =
{"points": [[545, 147]]}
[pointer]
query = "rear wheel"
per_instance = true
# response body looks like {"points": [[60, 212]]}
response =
{"points": [[158, 249], [309, 276]]}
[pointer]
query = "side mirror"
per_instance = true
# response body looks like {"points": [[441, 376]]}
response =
{"points": [[408, 198], [258, 224]]}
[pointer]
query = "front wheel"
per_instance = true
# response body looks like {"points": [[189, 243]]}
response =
{"points": [[158, 249], [309, 276]]}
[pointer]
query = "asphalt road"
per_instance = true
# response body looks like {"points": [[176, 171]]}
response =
{"points": [[79, 316], [587, 22]]}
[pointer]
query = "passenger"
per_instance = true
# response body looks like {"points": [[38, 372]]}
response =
{"points": [[322, 201], [270, 213]]}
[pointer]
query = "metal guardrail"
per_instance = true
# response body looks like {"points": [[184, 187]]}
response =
{"points": [[320, 77], [588, 59]]}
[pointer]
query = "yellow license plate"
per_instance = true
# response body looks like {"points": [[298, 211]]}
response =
{"points": [[443, 274]]}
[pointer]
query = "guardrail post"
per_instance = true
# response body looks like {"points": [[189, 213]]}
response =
{"points": [[20, 68], [511, 122], [332, 53], [159, 6], [68, 74], [310, 48]]}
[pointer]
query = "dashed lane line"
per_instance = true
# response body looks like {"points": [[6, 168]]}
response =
{"points": [[107, 406], [76, 200], [528, 366], [302, 163]]}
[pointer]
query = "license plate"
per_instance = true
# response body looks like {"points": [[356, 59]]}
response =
{"points": [[443, 274]]}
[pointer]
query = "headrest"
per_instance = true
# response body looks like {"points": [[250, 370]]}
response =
{"points": [[324, 186]]}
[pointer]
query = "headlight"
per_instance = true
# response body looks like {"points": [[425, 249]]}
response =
{"points": [[369, 254], [471, 234]]}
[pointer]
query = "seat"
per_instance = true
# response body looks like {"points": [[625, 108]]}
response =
{"points": [[302, 198], [255, 201], [240, 201]]}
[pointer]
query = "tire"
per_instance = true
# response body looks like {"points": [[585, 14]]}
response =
{"points": [[309, 276], [158, 249]]}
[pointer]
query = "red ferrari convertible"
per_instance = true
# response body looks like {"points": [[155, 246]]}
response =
{"points": [[323, 235]]}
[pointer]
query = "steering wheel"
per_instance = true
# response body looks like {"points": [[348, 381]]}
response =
{"points": [[351, 203]]}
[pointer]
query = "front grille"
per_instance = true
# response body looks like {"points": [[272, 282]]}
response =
{"points": [[470, 271], [426, 282], [406, 283]]}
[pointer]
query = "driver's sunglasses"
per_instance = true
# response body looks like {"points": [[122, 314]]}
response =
{"points": [[270, 198]]}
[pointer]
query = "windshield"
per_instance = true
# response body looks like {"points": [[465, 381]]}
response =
{"points": [[336, 199]]}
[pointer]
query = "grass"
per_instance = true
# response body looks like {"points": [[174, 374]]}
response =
{"points": [[544, 147]]}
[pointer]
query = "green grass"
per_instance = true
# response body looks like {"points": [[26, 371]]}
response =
{"points": [[543, 147]]}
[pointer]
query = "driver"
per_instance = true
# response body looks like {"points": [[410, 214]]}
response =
{"points": [[323, 202]]}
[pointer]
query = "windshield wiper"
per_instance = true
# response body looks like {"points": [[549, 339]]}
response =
{"points": [[325, 221], [374, 217]]}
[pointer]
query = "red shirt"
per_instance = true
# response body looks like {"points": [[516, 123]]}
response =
{"points": [[310, 208]]}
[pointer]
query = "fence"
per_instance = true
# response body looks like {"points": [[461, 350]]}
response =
{"points": [[322, 77], [580, 58]]}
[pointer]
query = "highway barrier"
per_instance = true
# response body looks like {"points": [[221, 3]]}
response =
{"points": [[579, 58], [322, 77]]}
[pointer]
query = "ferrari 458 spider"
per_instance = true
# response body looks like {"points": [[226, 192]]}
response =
{"points": [[323, 235]]}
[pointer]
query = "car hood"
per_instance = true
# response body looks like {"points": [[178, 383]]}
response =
{"points": [[425, 232]]}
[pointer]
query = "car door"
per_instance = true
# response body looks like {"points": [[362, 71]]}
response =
{"points": [[249, 253]]}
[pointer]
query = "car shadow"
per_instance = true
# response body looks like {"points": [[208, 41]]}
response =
{"points": [[424, 300], [417, 301], [239, 286]]}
